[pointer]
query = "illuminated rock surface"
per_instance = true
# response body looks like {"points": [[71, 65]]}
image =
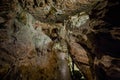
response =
{"points": [[37, 37]]}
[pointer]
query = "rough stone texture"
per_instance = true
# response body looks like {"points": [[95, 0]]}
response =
{"points": [[54, 10], [100, 38], [25, 50], [107, 45], [36, 37]]}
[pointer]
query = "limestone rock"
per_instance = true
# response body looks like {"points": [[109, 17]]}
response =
{"points": [[54, 10], [36, 37]]}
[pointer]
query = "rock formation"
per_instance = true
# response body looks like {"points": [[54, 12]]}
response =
{"points": [[38, 36]]}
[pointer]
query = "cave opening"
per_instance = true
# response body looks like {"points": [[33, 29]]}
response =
{"points": [[112, 16]]}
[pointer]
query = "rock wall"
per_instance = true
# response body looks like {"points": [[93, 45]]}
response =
{"points": [[26, 52], [37, 36]]}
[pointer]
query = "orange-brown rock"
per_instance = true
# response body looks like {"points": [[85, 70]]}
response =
{"points": [[37, 35]]}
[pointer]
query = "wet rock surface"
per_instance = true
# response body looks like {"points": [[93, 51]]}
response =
{"points": [[37, 37]]}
